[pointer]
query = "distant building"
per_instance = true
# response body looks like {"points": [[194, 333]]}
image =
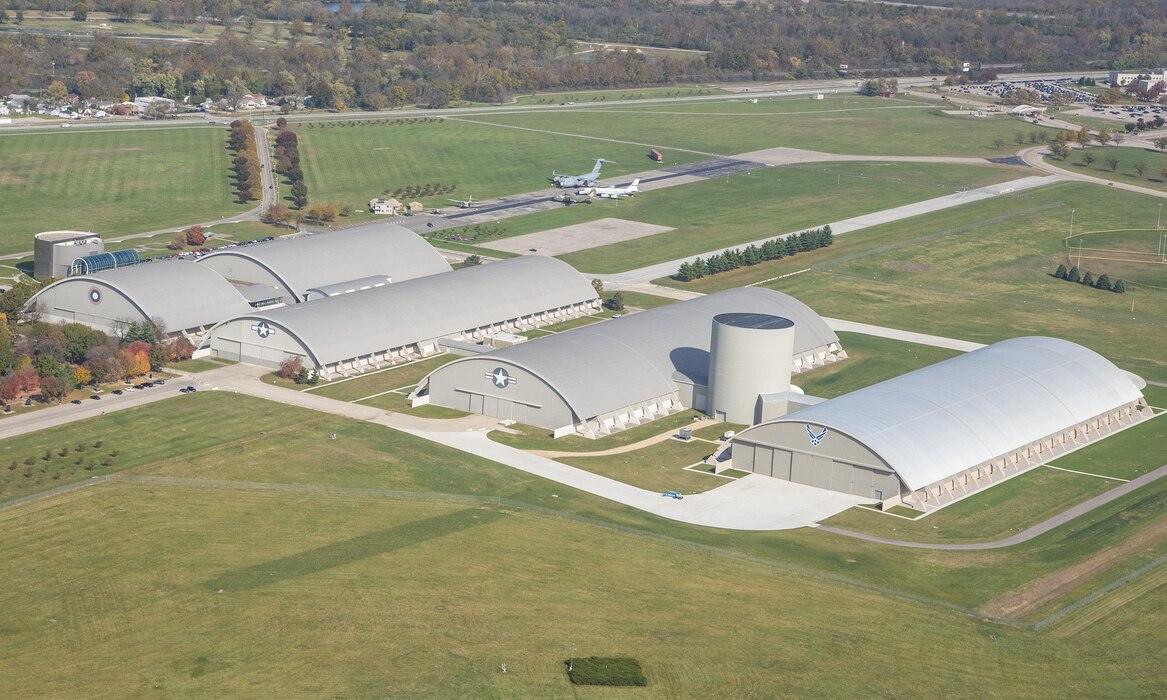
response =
{"points": [[416, 207], [1122, 78], [55, 251], [384, 206], [252, 102], [1026, 110]]}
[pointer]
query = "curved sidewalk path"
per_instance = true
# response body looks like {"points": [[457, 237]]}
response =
{"points": [[1033, 156], [1025, 535]]}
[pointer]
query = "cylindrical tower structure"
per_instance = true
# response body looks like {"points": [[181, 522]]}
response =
{"points": [[55, 251], [749, 354]]}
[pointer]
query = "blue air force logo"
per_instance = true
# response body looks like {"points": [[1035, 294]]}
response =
{"points": [[815, 439], [501, 378], [263, 330]]}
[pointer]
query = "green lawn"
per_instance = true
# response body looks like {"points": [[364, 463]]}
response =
{"points": [[838, 124], [640, 300], [189, 591], [659, 467], [939, 273], [352, 164], [379, 382], [201, 364], [113, 182], [590, 96], [763, 204], [1124, 170], [870, 359], [530, 437]]}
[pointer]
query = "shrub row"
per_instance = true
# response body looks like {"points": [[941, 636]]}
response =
{"points": [[1103, 282], [774, 249]]}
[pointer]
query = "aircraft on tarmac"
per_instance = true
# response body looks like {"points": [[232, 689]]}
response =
{"points": [[466, 203], [613, 192], [585, 180]]}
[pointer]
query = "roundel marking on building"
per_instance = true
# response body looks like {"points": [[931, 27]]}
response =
{"points": [[501, 378], [94, 295], [816, 438], [262, 329]]}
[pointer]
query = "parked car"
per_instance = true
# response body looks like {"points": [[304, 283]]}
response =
{"points": [[673, 494]]}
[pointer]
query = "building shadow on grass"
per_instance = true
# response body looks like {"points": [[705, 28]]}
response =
{"points": [[341, 553]]}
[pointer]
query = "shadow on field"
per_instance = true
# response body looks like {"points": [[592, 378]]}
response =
{"points": [[348, 551]]}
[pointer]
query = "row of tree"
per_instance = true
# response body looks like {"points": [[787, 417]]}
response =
{"points": [[293, 369], [287, 162], [1103, 282], [439, 51], [774, 249], [194, 236], [246, 164]]}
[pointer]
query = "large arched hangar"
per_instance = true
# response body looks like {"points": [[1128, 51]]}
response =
{"points": [[607, 376], [936, 434], [382, 325], [298, 265], [183, 296]]}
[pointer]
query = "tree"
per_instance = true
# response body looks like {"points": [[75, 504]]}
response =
{"points": [[13, 301], [1061, 272], [53, 388], [299, 194], [1112, 162], [598, 285], [195, 235], [1103, 136], [292, 366], [275, 214], [615, 302], [471, 261], [1103, 282], [1163, 174], [1074, 275], [1088, 279], [1119, 286], [1117, 138], [159, 109], [1161, 143], [140, 332], [1088, 158], [1060, 150], [998, 143], [281, 123], [1083, 137], [82, 376], [1141, 167], [7, 354], [56, 93]]}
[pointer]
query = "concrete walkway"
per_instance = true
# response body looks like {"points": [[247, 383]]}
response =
{"points": [[1025, 535], [906, 336], [1034, 156]]}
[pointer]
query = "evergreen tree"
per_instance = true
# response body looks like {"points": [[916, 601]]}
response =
{"points": [[1119, 286], [1103, 282], [700, 268], [1088, 279], [685, 272], [1074, 275], [1061, 272]]}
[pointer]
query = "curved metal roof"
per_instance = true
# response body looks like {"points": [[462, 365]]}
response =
{"points": [[936, 422], [607, 366], [181, 293], [351, 325], [305, 262]]}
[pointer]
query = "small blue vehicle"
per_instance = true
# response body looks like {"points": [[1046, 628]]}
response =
{"points": [[673, 494]]}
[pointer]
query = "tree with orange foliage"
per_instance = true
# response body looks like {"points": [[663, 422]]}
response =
{"points": [[195, 235], [82, 376]]}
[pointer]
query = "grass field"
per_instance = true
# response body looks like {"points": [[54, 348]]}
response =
{"points": [[429, 595], [659, 467], [1124, 171], [113, 182], [838, 124], [1134, 256], [939, 273], [400, 377], [590, 96], [352, 164], [529, 437], [765, 203]]}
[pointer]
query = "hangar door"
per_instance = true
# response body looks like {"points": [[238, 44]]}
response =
{"points": [[493, 406], [816, 470]]}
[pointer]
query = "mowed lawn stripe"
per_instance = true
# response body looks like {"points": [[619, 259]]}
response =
{"points": [[112, 182]]}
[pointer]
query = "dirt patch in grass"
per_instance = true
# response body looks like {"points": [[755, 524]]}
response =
{"points": [[907, 266], [1050, 587]]}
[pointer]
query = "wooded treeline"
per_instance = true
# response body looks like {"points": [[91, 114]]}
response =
{"points": [[435, 53]]}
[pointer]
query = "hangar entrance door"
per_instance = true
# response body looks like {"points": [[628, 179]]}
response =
{"points": [[229, 349], [495, 407]]}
